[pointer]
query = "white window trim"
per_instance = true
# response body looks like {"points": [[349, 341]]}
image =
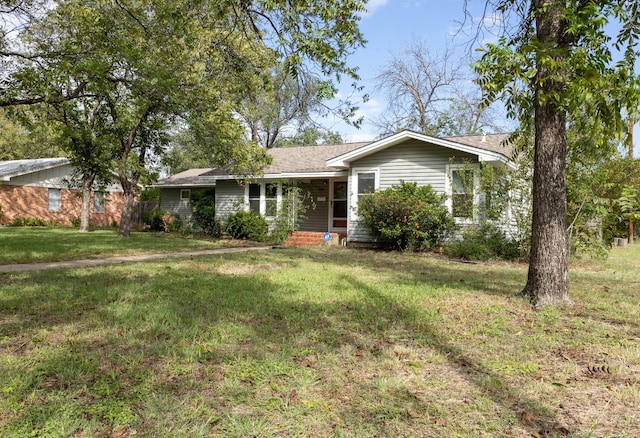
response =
{"points": [[59, 199], [353, 190], [263, 197], [448, 189]]}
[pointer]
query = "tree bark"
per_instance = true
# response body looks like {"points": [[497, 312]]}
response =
{"points": [[126, 216], [86, 205], [548, 277]]}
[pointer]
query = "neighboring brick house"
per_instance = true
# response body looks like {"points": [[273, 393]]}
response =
{"points": [[40, 189]]}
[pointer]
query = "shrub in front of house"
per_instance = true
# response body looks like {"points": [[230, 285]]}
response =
{"points": [[483, 242], [247, 225], [31, 222], [153, 220], [166, 221], [171, 222], [407, 216], [204, 213]]}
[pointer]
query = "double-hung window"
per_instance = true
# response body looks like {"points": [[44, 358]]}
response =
{"points": [[463, 183], [54, 199], [365, 182], [254, 197], [263, 198]]}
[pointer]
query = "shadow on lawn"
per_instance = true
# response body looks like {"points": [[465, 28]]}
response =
{"points": [[170, 307]]}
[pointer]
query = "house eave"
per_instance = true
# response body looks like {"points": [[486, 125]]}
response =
{"points": [[286, 175]]}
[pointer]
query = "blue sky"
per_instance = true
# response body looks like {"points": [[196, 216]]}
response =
{"points": [[388, 27]]}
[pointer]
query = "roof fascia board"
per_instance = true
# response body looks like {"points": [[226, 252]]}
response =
{"points": [[345, 159], [286, 175]]}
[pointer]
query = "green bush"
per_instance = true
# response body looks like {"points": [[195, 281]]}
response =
{"points": [[204, 213], [408, 216], [166, 221], [247, 225], [483, 242], [171, 222], [30, 222], [153, 220]]}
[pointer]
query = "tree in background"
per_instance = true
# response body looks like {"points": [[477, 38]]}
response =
{"points": [[154, 64], [558, 62], [27, 133], [430, 92]]}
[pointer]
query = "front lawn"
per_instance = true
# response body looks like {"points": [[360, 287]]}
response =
{"points": [[318, 342], [43, 244]]}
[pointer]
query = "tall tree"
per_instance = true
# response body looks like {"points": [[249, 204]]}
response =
{"points": [[557, 62], [28, 133], [152, 62], [278, 104], [430, 92]]}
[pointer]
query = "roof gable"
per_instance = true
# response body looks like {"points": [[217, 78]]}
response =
{"points": [[486, 147], [13, 168]]}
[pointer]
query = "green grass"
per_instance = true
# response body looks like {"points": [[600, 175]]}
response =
{"points": [[40, 244], [317, 342]]}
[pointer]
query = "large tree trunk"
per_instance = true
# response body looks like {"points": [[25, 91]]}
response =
{"points": [[86, 205], [126, 216], [548, 278]]}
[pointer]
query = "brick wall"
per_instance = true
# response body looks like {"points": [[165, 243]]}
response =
{"points": [[33, 202]]}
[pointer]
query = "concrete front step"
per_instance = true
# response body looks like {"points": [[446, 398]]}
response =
{"points": [[312, 238]]}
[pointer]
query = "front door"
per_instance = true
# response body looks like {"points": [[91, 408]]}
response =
{"points": [[338, 211]]}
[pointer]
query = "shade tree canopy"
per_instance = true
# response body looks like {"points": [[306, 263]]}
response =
{"points": [[555, 60]]}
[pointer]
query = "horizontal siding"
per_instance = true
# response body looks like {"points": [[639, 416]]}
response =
{"points": [[411, 161], [229, 199], [170, 201], [57, 177]]}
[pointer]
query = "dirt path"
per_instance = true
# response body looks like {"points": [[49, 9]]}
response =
{"points": [[123, 259]]}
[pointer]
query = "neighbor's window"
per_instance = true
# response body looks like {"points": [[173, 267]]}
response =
{"points": [[98, 202], [462, 184], [254, 197], [55, 199], [185, 194]]}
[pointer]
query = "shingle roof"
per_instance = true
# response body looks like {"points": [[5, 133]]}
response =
{"points": [[489, 142], [189, 177], [304, 159], [13, 168]]}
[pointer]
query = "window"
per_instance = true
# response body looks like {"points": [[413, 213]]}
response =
{"points": [[55, 199], [254, 197], [98, 202], [264, 198], [185, 194], [271, 200], [463, 182], [365, 183]]}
